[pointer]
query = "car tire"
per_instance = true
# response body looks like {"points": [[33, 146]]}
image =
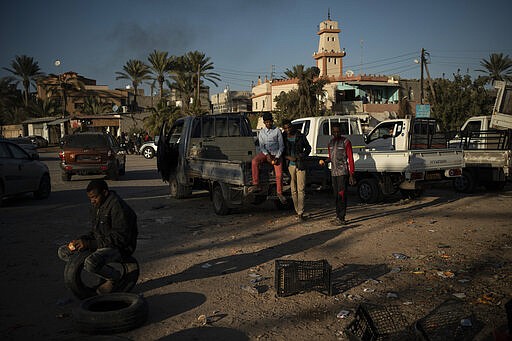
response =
{"points": [[75, 266], [148, 153], [369, 191], [110, 313], [465, 183], [177, 190], [45, 188], [220, 205], [66, 176]]}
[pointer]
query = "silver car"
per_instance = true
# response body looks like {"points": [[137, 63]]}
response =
{"points": [[21, 173]]}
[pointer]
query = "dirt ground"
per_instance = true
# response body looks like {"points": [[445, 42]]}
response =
{"points": [[195, 263]]}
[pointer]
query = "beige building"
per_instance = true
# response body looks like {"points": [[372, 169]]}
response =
{"points": [[345, 93], [231, 101]]}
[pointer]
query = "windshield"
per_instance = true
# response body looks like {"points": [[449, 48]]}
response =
{"points": [[90, 141]]}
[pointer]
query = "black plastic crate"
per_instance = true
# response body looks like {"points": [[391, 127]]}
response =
{"points": [[293, 277], [374, 322], [449, 321]]}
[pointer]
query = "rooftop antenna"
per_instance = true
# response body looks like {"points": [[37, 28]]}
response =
{"points": [[328, 14]]}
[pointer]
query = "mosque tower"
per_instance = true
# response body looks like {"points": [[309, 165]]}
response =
{"points": [[329, 55]]}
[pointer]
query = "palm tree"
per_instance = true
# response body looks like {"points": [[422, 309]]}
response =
{"points": [[44, 107], [310, 87], [161, 64], [26, 70], [93, 105], [183, 85], [498, 67], [162, 113], [136, 71], [67, 82], [201, 68]]}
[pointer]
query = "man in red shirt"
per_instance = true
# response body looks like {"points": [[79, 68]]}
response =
{"points": [[342, 170]]}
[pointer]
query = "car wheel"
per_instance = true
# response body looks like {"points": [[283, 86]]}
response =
{"points": [[465, 183], [220, 205], [66, 176], [177, 190], [148, 152], [45, 188], [84, 284], [110, 313], [369, 191]]}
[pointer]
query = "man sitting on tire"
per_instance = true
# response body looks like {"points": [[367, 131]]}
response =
{"points": [[113, 235]]}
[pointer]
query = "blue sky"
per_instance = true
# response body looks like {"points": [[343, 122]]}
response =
{"points": [[245, 39]]}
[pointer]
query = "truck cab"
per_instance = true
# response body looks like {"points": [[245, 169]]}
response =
{"points": [[475, 133], [502, 112]]}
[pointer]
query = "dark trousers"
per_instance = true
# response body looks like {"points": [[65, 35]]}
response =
{"points": [[97, 262], [339, 186]]}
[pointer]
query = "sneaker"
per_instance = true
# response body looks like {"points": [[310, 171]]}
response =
{"points": [[282, 198], [339, 222], [106, 288]]}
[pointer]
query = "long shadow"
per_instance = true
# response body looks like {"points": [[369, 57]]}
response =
{"points": [[164, 306], [235, 263], [207, 334], [353, 275]]}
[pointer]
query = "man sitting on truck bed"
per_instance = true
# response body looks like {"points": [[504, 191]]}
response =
{"points": [[271, 149]]}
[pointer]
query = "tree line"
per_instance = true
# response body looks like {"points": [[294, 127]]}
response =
{"points": [[184, 75], [453, 101]]}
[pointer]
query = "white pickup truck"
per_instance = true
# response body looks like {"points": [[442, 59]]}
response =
{"points": [[397, 155], [486, 141], [487, 155]]}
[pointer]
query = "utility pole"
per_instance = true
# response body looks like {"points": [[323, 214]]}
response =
{"points": [[422, 62], [198, 103], [430, 84]]}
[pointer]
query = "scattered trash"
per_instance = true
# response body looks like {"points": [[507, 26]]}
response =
{"points": [[258, 279], [433, 221], [444, 255], [431, 230], [407, 303], [460, 295], [400, 256], [206, 265], [203, 319], [392, 295], [490, 298], [373, 281], [463, 280], [250, 289], [353, 297], [466, 323], [395, 270], [443, 246], [368, 290], [445, 274], [343, 314], [418, 272], [254, 275]]}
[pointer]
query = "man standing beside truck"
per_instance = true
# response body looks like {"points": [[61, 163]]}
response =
{"points": [[296, 150], [342, 170], [271, 149]]}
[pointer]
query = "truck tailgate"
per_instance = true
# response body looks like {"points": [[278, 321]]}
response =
{"points": [[435, 159], [230, 172], [487, 158]]}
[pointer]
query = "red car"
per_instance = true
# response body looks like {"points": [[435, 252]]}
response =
{"points": [[92, 153]]}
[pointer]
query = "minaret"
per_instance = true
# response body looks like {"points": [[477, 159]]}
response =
{"points": [[329, 55]]}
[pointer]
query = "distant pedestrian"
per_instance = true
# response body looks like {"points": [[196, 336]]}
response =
{"points": [[271, 150], [342, 170], [296, 150]]}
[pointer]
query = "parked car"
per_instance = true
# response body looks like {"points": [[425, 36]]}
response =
{"points": [[39, 141], [20, 173], [148, 149], [92, 153], [26, 144]]}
